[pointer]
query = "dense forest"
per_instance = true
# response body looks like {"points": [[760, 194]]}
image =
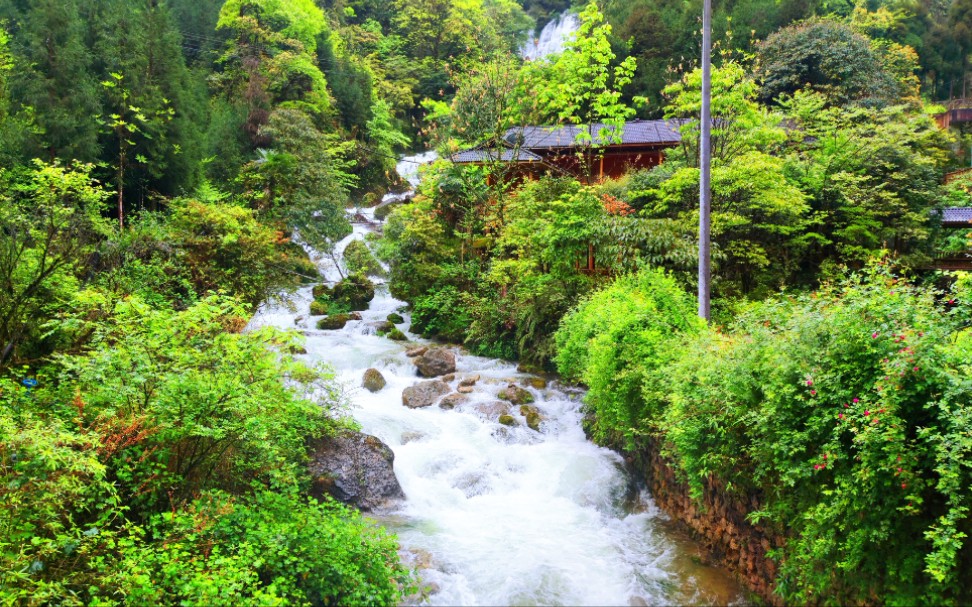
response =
{"points": [[164, 164]]}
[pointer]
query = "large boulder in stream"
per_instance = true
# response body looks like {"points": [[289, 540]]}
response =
{"points": [[436, 362], [333, 322], [354, 468], [424, 394], [355, 292], [373, 380]]}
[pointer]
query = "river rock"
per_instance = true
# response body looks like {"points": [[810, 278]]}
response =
{"points": [[354, 316], [412, 435], [354, 468], [469, 380], [535, 382], [355, 291], [464, 389], [396, 335], [395, 318], [424, 394], [516, 395], [492, 410], [453, 400], [416, 351], [532, 415], [384, 327], [507, 420], [318, 308], [334, 321], [373, 380], [449, 377], [435, 362]]}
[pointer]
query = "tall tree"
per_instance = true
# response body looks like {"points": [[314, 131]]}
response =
{"points": [[57, 81]]}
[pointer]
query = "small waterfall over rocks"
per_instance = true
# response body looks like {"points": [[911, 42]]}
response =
{"points": [[552, 37]]}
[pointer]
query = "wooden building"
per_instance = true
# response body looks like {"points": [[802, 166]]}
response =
{"points": [[588, 152]]}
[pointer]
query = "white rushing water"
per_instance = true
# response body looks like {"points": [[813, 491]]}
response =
{"points": [[497, 515], [552, 37]]}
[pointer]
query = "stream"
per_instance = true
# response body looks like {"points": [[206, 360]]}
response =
{"points": [[499, 515]]}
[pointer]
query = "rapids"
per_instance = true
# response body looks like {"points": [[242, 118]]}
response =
{"points": [[497, 515]]}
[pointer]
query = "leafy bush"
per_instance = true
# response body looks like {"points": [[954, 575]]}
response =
{"points": [[359, 260], [844, 414], [183, 405], [272, 549], [617, 341]]}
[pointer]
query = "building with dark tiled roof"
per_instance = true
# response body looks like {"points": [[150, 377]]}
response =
{"points": [[582, 150]]}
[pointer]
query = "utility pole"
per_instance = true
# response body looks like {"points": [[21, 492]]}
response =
{"points": [[705, 166]]}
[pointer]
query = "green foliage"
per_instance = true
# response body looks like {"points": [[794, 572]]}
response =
{"points": [[845, 409], [359, 260], [273, 549], [827, 57], [618, 341], [50, 221]]}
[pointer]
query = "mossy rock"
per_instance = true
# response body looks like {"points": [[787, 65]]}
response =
{"points": [[385, 328], [321, 290], [507, 420], [355, 291], [516, 395], [396, 335], [532, 415], [332, 322], [318, 308], [535, 382], [395, 317]]}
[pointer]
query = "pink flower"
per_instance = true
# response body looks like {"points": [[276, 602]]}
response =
{"points": [[916, 368], [813, 392], [809, 382], [856, 400], [840, 416], [866, 412], [874, 335]]}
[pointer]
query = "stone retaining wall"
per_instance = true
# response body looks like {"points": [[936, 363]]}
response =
{"points": [[719, 523]]}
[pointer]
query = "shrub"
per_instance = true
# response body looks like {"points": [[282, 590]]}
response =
{"points": [[848, 410], [359, 260], [617, 340]]}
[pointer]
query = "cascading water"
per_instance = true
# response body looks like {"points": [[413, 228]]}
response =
{"points": [[552, 37], [499, 515]]}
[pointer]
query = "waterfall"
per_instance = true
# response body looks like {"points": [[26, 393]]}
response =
{"points": [[552, 37]]}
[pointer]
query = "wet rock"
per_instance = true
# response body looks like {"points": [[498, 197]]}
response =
{"points": [[298, 320], [396, 335], [532, 415], [355, 316], [395, 318], [320, 291], [529, 368], [492, 410], [354, 468], [318, 308], [450, 377], [469, 380], [507, 420], [424, 394], [464, 389], [355, 292], [408, 437], [296, 349], [453, 400], [435, 362], [417, 351], [516, 395], [332, 322], [373, 380], [535, 382]]}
